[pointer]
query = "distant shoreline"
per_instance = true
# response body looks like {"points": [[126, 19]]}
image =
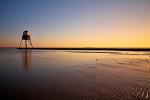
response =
{"points": [[115, 49]]}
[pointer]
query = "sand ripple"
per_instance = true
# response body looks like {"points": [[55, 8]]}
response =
{"points": [[102, 82]]}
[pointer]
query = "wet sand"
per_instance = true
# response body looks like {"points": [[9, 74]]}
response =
{"points": [[76, 75]]}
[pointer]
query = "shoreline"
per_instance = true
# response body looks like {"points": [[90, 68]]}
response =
{"points": [[114, 49]]}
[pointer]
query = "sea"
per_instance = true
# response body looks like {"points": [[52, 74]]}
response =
{"points": [[74, 74]]}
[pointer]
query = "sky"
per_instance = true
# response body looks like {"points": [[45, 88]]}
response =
{"points": [[76, 23]]}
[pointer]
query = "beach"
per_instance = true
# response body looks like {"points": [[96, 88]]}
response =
{"points": [[74, 74]]}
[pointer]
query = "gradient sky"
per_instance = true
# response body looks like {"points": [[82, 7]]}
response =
{"points": [[76, 23]]}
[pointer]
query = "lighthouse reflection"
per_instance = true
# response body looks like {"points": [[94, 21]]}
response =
{"points": [[26, 59]]}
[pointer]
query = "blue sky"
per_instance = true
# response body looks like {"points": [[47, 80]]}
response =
{"points": [[79, 23]]}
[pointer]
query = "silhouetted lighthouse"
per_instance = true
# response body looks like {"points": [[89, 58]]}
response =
{"points": [[26, 37]]}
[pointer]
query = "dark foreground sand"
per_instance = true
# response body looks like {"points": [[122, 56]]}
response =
{"points": [[76, 75]]}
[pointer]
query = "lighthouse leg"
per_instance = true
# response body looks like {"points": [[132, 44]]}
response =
{"points": [[26, 43], [30, 42], [20, 43]]}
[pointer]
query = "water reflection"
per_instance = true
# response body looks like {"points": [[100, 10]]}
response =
{"points": [[26, 58]]}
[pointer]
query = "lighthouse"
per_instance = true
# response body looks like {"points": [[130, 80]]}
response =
{"points": [[26, 37]]}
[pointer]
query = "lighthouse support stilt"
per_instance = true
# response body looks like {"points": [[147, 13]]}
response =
{"points": [[26, 43], [30, 42], [20, 43]]}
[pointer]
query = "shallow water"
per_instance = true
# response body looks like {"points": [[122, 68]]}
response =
{"points": [[59, 74]]}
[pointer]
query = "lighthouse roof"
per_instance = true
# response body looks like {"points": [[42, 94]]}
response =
{"points": [[26, 32]]}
